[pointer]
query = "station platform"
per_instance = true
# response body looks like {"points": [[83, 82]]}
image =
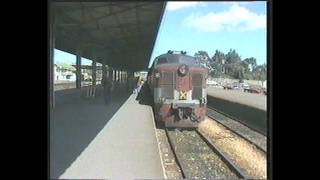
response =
{"points": [[122, 145], [258, 101], [248, 108]]}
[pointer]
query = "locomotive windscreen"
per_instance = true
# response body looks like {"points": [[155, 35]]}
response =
{"points": [[167, 84], [167, 92], [197, 80], [167, 78], [197, 83]]}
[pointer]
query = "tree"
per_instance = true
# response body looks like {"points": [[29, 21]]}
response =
{"points": [[230, 65], [66, 66], [218, 57], [250, 61], [217, 62], [232, 57], [260, 72], [232, 60], [203, 58]]}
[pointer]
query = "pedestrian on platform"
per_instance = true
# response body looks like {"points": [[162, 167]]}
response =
{"points": [[140, 85], [107, 87]]}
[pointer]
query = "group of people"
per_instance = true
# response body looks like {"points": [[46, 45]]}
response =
{"points": [[111, 87]]}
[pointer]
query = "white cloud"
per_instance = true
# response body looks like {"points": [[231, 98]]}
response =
{"points": [[236, 18], [175, 5]]}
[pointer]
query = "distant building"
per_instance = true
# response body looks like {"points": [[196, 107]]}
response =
{"points": [[86, 73], [62, 72]]}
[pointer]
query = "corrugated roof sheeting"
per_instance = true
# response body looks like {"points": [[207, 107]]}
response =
{"points": [[120, 33]]}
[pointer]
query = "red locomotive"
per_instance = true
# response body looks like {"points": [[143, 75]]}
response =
{"points": [[178, 86]]}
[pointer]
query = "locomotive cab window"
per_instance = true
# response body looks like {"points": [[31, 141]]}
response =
{"points": [[197, 80], [162, 60], [167, 78], [197, 83]]}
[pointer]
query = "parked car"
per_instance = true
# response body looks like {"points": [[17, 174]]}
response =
{"points": [[244, 85], [211, 83]]}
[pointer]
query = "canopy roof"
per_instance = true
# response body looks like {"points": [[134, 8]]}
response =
{"points": [[121, 34]]}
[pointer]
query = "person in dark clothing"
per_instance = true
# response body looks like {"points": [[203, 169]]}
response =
{"points": [[107, 85], [144, 96]]}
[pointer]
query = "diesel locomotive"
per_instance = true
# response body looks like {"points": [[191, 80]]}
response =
{"points": [[177, 84]]}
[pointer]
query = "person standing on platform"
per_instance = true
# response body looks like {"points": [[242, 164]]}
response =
{"points": [[136, 85], [132, 85], [107, 85], [140, 85], [112, 87]]}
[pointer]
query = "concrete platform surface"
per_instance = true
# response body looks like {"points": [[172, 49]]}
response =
{"points": [[74, 125], [126, 148], [258, 101]]}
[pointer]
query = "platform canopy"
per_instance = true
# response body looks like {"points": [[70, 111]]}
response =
{"points": [[121, 34]]}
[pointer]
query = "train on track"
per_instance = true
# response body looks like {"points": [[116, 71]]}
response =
{"points": [[177, 84]]}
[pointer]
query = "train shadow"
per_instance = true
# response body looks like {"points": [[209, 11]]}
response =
{"points": [[144, 96]]}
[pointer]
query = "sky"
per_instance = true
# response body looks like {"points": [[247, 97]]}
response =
{"points": [[191, 26], [64, 57], [210, 26]]}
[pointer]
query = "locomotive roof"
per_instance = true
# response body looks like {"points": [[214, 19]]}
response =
{"points": [[176, 59]]}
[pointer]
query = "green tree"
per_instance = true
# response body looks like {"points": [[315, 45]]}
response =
{"points": [[232, 57], [250, 62], [217, 63], [203, 58], [260, 72], [232, 61]]}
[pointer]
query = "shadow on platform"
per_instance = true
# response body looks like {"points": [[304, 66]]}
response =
{"points": [[74, 125], [144, 96]]}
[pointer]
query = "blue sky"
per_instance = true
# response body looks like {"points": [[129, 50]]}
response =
{"points": [[191, 26], [64, 57]]}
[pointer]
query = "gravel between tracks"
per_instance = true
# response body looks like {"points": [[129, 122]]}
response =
{"points": [[196, 158], [243, 153], [255, 137]]}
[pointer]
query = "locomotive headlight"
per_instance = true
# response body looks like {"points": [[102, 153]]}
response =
{"points": [[183, 70]]}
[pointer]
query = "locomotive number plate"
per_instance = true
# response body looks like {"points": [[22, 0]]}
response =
{"points": [[183, 95]]}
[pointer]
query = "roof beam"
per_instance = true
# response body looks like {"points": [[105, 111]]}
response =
{"points": [[118, 22], [113, 13], [88, 36], [74, 25]]}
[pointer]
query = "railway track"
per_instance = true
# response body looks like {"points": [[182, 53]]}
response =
{"points": [[240, 121], [199, 158], [239, 128]]}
